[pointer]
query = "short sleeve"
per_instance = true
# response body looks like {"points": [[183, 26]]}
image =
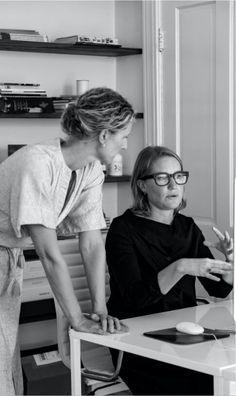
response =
{"points": [[87, 213], [31, 200]]}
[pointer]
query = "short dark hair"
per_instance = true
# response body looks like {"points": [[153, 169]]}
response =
{"points": [[97, 109], [142, 167]]}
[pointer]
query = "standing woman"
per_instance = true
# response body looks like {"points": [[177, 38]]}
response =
{"points": [[56, 187]]}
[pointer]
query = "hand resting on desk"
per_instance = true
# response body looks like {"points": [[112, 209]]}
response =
{"points": [[101, 324]]}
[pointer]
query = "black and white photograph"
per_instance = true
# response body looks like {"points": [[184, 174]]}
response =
{"points": [[117, 197]]}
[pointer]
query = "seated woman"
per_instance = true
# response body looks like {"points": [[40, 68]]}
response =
{"points": [[154, 255]]}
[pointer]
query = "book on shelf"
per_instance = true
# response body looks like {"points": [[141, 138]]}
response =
{"points": [[22, 92], [67, 40], [16, 85], [75, 39], [17, 89], [22, 35], [25, 31], [21, 104], [61, 102]]}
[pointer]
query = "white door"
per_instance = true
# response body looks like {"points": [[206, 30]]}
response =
{"points": [[197, 104]]}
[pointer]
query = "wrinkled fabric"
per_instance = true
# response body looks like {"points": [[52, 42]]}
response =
{"points": [[34, 184], [11, 275]]}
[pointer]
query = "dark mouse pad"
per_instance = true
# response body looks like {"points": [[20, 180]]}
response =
{"points": [[176, 337]]}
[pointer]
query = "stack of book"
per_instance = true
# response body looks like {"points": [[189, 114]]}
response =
{"points": [[21, 89], [22, 35], [18, 98], [60, 102], [75, 39]]}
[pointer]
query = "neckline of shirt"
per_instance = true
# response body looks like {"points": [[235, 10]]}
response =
{"points": [[149, 220]]}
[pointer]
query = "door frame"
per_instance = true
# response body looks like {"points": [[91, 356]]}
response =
{"points": [[153, 85], [152, 76]]}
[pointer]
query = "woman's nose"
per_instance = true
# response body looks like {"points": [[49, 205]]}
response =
{"points": [[172, 182]]}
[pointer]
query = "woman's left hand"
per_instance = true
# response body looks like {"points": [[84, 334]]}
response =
{"points": [[224, 244], [109, 323]]}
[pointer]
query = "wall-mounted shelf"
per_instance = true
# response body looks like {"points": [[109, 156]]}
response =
{"points": [[69, 49], [31, 115], [55, 115], [117, 179]]}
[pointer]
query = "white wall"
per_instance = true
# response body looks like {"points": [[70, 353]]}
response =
{"points": [[129, 82], [57, 73]]}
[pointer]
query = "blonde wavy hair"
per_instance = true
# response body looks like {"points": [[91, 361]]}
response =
{"points": [[96, 110]]}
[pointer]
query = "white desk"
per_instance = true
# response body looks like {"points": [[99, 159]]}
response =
{"points": [[217, 358]]}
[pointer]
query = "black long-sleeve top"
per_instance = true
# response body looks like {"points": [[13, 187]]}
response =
{"points": [[137, 249]]}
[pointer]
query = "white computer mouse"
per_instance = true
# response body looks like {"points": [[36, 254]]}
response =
{"points": [[189, 328]]}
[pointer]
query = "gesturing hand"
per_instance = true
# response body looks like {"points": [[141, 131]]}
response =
{"points": [[205, 267], [224, 244]]}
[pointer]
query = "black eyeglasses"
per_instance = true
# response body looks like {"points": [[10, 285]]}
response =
{"points": [[163, 178]]}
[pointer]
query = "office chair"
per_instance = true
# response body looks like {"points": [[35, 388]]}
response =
{"points": [[79, 281]]}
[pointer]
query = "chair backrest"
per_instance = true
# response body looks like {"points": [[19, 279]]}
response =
{"points": [[80, 285]]}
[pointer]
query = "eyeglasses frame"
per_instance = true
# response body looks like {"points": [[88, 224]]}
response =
{"points": [[169, 175]]}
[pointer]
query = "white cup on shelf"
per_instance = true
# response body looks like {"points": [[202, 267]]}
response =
{"points": [[81, 86]]}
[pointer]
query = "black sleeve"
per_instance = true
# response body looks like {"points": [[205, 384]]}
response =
{"points": [[219, 289], [123, 261]]}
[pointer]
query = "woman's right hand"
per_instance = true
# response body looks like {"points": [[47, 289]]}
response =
{"points": [[88, 325], [204, 267]]}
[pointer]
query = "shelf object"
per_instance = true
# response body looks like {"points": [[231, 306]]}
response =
{"points": [[139, 116], [69, 49], [55, 115], [117, 179], [31, 115]]}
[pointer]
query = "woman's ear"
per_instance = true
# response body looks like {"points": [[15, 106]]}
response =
{"points": [[142, 185], [102, 137]]}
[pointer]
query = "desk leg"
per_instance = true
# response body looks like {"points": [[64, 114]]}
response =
{"points": [[75, 361], [222, 387]]}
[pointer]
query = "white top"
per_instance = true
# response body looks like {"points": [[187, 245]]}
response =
{"points": [[34, 183]]}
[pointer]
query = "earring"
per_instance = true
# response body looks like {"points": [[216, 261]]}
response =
{"points": [[103, 145]]}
